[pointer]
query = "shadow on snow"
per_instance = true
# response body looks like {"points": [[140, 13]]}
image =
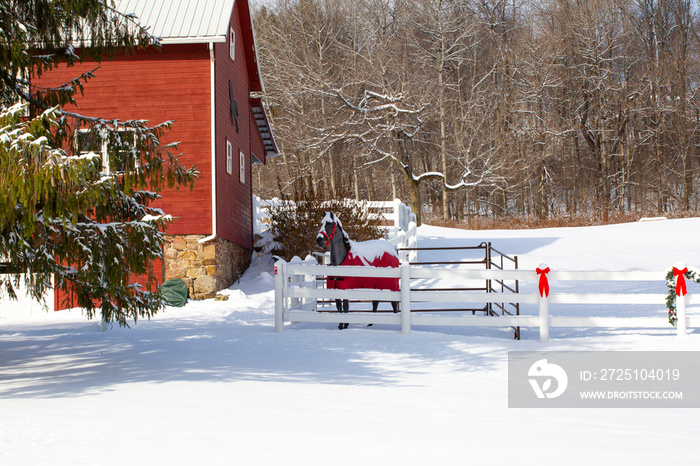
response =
{"points": [[64, 361]]}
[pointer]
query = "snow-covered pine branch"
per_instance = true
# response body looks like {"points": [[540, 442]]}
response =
{"points": [[72, 212]]}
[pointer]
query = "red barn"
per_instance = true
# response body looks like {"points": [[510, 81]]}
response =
{"points": [[206, 79]]}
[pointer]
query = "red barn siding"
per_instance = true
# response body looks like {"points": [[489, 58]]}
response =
{"points": [[63, 300], [234, 199], [172, 84], [168, 85]]}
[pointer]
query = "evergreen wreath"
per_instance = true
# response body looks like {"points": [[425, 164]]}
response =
{"points": [[671, 297]]}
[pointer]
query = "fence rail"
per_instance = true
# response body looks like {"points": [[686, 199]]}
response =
{"points": [[296, 298]]}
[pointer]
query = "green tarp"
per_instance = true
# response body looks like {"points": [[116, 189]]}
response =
{"points": [[175, 292]]}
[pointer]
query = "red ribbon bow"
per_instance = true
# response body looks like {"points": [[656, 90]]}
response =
{"points": [[681, 288], [544, 283]]}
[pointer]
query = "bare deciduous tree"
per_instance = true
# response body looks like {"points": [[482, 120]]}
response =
{"points": [[486, 106]]}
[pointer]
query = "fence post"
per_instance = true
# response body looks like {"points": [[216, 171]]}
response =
{"points": [[412, 241], [405, 298], [309, 280], [543, 288], [680, 314], [544, 319], [397, 216], [679, 271], [280, 273], [295, 280]]}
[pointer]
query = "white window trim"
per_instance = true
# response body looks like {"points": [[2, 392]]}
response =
{"points": [[229, 157], [103, 149], [242, 164]]}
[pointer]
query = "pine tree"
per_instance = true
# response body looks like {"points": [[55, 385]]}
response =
{"points": [[62, 214]]}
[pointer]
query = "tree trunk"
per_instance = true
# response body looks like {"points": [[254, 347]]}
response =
{"points": [[355, 182], [443, 135], [370, 185], [414, 192], [605, 182]]}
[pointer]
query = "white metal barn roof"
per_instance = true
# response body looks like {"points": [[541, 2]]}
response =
{"points": [[182, 21]]}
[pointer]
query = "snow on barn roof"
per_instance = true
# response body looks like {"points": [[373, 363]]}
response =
{"points": [[182, 21]]}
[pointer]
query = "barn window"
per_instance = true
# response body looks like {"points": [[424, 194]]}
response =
{"points": [[122, 141], [242, 163], [86, 141], [229, 157], [232, 45]]}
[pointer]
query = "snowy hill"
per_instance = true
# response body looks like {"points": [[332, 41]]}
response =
{"points": [[211, 383]]}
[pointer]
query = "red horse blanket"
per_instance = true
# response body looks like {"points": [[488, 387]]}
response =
{"points": [[378, 283]]}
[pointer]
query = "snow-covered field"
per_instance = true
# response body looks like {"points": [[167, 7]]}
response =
{"points": [[211, 383]]}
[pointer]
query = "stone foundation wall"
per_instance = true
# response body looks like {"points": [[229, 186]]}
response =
{"points": [[231, 261], [206, 268]]}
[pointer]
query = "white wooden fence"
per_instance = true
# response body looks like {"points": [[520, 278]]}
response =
{"points": [[402, 233], [395, 212], [261, 216], [296, 295]]}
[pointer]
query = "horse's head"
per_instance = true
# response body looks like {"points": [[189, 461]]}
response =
{"points": [[330, 225]]}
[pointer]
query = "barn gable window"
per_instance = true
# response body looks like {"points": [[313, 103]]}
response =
{"points": [[122, 140], [232, 44], [229, 157], [242, 165]]}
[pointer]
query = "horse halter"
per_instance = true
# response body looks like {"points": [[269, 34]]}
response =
{"points": [[331, 236]]}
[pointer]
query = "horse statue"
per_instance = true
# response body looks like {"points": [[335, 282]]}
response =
{"points": [[344, 251]]}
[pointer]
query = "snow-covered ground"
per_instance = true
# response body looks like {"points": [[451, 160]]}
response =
{"points": [[211, 383]]}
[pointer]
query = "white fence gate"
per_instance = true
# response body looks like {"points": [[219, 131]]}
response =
{"points": [[296, 295]]}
